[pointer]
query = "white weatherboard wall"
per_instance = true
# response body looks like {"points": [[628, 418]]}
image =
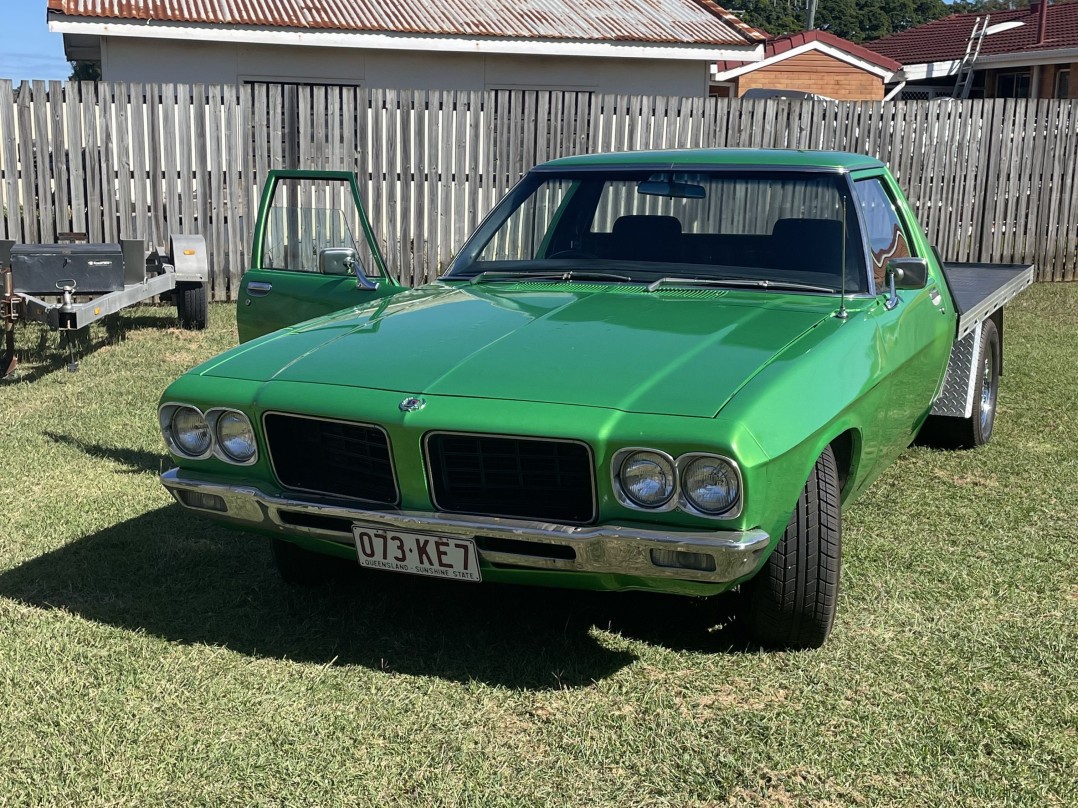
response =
{"points": [[128, 59]]}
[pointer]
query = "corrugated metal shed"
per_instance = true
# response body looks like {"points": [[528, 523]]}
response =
{"points": [[694, 22]]}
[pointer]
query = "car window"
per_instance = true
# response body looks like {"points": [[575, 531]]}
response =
{"points": [[307, 216], [887, 237], [525, 231], [741, 206], [646, 224]]}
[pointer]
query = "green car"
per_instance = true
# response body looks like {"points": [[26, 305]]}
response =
{"points": [[663, 371]]}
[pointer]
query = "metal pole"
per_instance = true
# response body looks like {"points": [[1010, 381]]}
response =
{"points": [[8, 301], [810, 15]]}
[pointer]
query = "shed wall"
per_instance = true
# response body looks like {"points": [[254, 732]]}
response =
{"points": [[818, 73], [125, 59]]}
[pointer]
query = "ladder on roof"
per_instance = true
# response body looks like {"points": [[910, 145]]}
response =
{"points": [[964, 80]]}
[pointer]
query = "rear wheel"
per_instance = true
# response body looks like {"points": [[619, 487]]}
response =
{"points": [[302, 567], [976, 430], [969, 433], [792, 600], [192, 304]]}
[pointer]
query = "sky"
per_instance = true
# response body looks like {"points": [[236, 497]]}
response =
{"points": [[29, 50]]}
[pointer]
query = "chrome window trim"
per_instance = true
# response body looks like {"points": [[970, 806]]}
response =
{"points": [[686, 505], [379, 427], [539, 438], [623, 498], [165, 423]]}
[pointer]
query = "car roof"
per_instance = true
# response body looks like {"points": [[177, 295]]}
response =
{"points": [[770, 158]]}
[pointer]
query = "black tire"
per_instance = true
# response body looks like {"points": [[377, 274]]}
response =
{"points": [[303, 567], [792, 600], [969, 433], [192, 304]]}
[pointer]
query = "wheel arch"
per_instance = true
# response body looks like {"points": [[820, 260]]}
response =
{"points": [[846, 447]]}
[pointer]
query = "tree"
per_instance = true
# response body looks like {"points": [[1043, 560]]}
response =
{"points": [[857, 21], [85, 71]]}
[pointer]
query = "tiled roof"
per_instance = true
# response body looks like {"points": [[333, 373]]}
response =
{"points": [[696, 22], [779, 45], [945, 39]]}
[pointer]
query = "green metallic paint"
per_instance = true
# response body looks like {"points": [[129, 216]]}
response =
{"points": [[668, 353], [740, 158], [767, 378], [298, 296]]}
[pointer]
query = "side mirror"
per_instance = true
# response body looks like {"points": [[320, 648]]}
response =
{"points": [[344, 261], [337, 260], [905, 273]]}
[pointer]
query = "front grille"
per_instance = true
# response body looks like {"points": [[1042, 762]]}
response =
{"points": [[331, 457], [515, 477]]}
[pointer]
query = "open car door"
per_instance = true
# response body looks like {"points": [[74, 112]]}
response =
{"points": [[314, 253]]}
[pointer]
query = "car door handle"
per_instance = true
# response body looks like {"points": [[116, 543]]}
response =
{"points": [[258, 289]]}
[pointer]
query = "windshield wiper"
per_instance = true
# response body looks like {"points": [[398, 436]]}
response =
{"points": [[571, 275], [752, 283]]}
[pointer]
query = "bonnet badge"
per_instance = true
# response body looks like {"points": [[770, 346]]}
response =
{"points": [[412, 404]]}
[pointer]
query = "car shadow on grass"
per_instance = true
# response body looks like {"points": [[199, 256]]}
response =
{"points": [[137, 461], [172, 575]]}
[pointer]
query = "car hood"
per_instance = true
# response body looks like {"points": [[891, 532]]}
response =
{"points": [[676, 351]]}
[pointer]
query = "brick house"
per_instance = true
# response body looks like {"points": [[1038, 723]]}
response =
{"points": [[1028, 53], [652, 47], [816, 62]]}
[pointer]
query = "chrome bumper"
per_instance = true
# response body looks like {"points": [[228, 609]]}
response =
{"points": [[520, 543]]}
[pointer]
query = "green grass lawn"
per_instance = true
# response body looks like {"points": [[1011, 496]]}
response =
{"points": [[147, 657]]}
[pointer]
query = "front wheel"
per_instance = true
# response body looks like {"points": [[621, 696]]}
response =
{"points": [[792, 600]]}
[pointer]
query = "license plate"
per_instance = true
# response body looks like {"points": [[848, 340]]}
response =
{"points": [[417, 553]]}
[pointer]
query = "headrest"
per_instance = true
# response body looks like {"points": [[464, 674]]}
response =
{"points": [[653, 226]]}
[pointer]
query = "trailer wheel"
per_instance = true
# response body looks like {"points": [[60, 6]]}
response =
{"points": [[792, 601], [969, 433], [192, 304]]}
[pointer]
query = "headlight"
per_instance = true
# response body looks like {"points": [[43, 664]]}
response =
{"points": [[235, 437], [710, 484], [190, 432], [647, 478]]}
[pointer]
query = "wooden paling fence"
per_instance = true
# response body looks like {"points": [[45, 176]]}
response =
{"points": [[991, 180]]}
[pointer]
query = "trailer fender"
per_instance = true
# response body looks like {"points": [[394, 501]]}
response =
{"points": [[189, 258]]}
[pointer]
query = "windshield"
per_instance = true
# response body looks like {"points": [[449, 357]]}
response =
{"points": [[781, 229]]}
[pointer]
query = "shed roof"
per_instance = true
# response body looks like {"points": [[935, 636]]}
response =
{"points": [[945, 39], [695, 22]]}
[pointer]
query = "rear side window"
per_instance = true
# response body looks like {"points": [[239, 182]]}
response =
{"points": [[887, 237]]}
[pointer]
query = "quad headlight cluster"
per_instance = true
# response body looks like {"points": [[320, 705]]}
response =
{"points": [[698, 482], [222, 433]]}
